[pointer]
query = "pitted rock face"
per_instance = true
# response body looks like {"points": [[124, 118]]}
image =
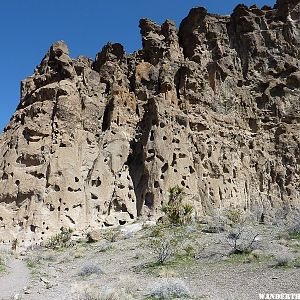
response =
{"points": [[213, 107]]}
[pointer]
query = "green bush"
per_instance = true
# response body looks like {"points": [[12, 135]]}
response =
{"points": [[177, 212], [235, 215], [60, 240]]}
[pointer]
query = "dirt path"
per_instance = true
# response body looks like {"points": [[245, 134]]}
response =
{"points": [[15, 280]]}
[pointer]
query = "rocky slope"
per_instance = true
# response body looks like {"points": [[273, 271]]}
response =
{"points": [[213, 106]]}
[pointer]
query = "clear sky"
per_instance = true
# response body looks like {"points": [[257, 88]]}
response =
{"points": [[28, 28]]}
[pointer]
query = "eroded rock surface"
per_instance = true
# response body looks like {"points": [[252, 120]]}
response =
{"points": [[213, 106]]}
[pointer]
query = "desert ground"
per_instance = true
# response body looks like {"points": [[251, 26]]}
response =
{"points": [[148, 261]]}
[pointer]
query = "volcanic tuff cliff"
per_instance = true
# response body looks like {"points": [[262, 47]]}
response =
{"points": [[213, 107]]}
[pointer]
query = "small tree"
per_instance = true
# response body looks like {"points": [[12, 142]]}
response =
{"points": [[242, 240], [166, 242], [177, 212], [164, 247]]}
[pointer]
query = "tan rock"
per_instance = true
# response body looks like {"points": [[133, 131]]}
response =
{"points": [[213, 107], [94, 236]]}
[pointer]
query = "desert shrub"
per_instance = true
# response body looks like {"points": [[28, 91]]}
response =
{"points": [[104, 246], [257, 255], [157, 231], [213, 224], [213, 227], [60, 240], [177, 212], [113, 235], [112, 294], [294, 230], [128, 235], [189, 250], [296, 262], [164, 247], [242, 239], [87, 295], [89, 269], [283, 260], [2, 265], [166, 242], [169, 289], [105, 293], [235, 215]]}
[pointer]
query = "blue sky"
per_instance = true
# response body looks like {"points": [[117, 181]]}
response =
{"points": [[28, 28]]}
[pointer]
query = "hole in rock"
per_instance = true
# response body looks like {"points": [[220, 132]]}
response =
{"points": [[33, 228], [124, 208], [173, 160], [72, 221], [165, 167], [191, 170], [149, 200], [77, 205], [152, 136], [107, 115], [96, 182]]}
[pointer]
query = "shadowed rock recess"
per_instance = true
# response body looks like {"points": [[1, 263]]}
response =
{"points": [[213, 106]]}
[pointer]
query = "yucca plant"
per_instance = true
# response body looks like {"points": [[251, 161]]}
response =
{"points": [[177, 212]]}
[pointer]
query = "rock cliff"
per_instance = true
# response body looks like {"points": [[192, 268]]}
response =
{"points": [[213, 106]]}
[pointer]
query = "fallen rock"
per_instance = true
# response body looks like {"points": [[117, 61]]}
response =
{"points": [[94, 236]]}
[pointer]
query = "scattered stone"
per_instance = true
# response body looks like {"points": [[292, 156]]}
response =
{"points": [[44, 280]]}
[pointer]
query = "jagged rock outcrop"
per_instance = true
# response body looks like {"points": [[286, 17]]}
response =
{"points": [[213, 107]]}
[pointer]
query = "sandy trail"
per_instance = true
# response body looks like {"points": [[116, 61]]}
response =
{"points": [[15, 280]]}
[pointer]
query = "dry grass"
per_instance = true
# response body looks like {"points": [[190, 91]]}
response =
{"points": [[169, 288]]}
